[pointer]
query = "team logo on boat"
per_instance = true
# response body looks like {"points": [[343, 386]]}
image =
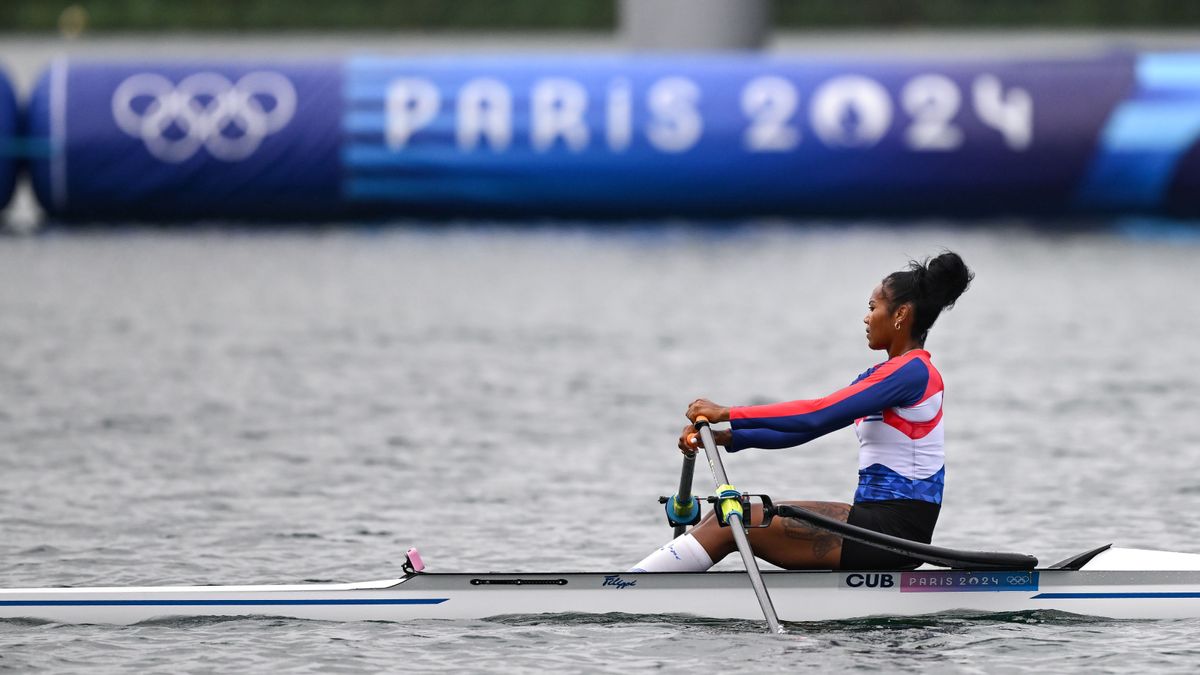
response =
{"points": [[617, 582], [959, 582], [204, 110], [869, 580]]}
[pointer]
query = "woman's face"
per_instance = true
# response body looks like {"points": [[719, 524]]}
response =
{"points": [[880, 324]]}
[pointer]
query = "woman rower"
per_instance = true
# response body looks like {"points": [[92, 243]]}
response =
{"points": [[896, 410]]}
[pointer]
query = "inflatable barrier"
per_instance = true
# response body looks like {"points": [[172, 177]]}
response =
{"points": [[188, 141], [612, 136], [8, 140]]}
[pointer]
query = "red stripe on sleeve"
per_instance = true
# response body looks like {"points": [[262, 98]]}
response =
{"points": [[804, 407]]}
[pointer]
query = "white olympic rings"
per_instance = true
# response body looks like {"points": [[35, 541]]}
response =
{"points": [[228, 119]]}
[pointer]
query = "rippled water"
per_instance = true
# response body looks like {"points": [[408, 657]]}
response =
{"points": [[232, 407]]}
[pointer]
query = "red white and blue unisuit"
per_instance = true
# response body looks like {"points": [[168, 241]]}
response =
{"points": [[896, 409]]}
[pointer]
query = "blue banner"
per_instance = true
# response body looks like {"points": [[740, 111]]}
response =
{"points": [[724, 135], [612, 136], [1148, 155], [188, 141], [9, 144]]}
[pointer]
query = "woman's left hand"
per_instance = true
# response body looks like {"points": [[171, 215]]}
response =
{"points": [[703, 407]]}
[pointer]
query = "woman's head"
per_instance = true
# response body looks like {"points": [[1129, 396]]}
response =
{"points": [[909, 301]]}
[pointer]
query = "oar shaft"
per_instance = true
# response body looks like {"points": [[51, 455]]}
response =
{"points": [[684, 494], [710, 451], [756, 580], [735, 526]]}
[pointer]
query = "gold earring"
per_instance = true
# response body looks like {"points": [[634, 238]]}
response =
{"points": [[897, 325]]}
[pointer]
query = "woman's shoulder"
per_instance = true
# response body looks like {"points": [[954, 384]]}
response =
{"points": [[883, 369], [921, 355], [904, 359], [914, 365]]}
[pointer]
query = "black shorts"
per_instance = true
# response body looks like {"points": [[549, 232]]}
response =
{"points": [[905, 518]]}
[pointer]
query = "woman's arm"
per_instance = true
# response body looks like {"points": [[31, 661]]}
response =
{"points": [[780, 425]]}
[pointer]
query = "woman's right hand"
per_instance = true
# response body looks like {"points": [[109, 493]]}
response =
{"points": [[687, 438], [689, 435], [710, 411]]}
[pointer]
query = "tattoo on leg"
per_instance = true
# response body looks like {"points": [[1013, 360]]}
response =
{"points": [[823, 543], [798, 529]]}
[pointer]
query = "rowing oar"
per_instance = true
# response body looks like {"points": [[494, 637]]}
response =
{"points": [[730, 510], [682, 508]]}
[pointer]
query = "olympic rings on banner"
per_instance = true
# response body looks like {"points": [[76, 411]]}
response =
{"points": [[228, 119]]}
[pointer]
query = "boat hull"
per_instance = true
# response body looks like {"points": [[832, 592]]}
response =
{"points": [[798, 596]]}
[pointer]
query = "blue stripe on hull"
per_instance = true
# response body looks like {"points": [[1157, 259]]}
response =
{"points": [[1105, 596], [216, 603]]}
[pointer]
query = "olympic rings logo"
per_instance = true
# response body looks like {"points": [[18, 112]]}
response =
{"points": [[229, 119], [1019, 580]]}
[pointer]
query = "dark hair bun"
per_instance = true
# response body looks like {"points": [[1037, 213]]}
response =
{"points": [[930, 286], [945, 278]]}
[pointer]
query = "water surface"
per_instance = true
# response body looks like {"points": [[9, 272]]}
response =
{"points": [[226, 406]]}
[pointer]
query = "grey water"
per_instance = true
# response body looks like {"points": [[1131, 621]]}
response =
{"points": [[182, 406]]}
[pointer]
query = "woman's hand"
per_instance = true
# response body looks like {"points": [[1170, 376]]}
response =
{"points": [[714, 413], [703, 407], [688, 436]]}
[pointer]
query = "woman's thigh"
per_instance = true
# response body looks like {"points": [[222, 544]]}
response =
{"points": [[788, 543]]}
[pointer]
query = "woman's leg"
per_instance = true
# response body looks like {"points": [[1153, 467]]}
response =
{"points": [[788, 543]]}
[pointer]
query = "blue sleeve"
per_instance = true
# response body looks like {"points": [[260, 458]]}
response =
{"points": [[787, 424], [767, 439]]}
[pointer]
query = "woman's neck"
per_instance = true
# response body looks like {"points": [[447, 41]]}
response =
{"points": [[900, 348]]}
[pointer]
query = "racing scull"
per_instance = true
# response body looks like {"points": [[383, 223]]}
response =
{"points": [[1107, 582]]}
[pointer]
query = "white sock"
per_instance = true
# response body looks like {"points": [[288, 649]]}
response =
{"points": [[684, 554]]}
